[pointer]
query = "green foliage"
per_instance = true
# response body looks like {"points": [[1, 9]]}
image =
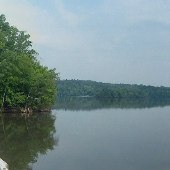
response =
{"points": [[24, 82], [106, 90]]}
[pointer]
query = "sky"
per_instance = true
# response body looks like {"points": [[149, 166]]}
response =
{"points": [[115, 41]]}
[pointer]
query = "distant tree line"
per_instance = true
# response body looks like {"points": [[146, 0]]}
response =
{"points": [[24, 84], [107, 90]]}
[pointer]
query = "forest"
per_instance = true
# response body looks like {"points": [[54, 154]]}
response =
{"points": [[25, 85], [106, 90]]}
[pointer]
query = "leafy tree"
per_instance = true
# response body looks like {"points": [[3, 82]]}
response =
{"points": [[25, 84]]}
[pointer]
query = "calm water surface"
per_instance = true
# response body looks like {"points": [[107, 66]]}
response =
{"points": [[94, 138]]}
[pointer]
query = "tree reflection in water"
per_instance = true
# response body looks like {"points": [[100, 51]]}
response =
{"points": [[23, 139], [92, 103]]}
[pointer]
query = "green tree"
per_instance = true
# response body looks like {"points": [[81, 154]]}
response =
{"points": [[25, 84]]}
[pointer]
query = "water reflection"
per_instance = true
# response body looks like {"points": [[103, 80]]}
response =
{"points": [[22, 140], [90, 103]]}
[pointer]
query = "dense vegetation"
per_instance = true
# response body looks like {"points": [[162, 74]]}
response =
{"points": [[98, 89], [24, 83]]}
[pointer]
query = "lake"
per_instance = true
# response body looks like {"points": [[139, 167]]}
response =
{"points": [[90, 134]]}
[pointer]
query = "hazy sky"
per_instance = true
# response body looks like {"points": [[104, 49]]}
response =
{"points": [[116, 41]]}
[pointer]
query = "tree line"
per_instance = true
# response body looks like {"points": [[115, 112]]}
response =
{"points": [[107, 90], [25, 84]]}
